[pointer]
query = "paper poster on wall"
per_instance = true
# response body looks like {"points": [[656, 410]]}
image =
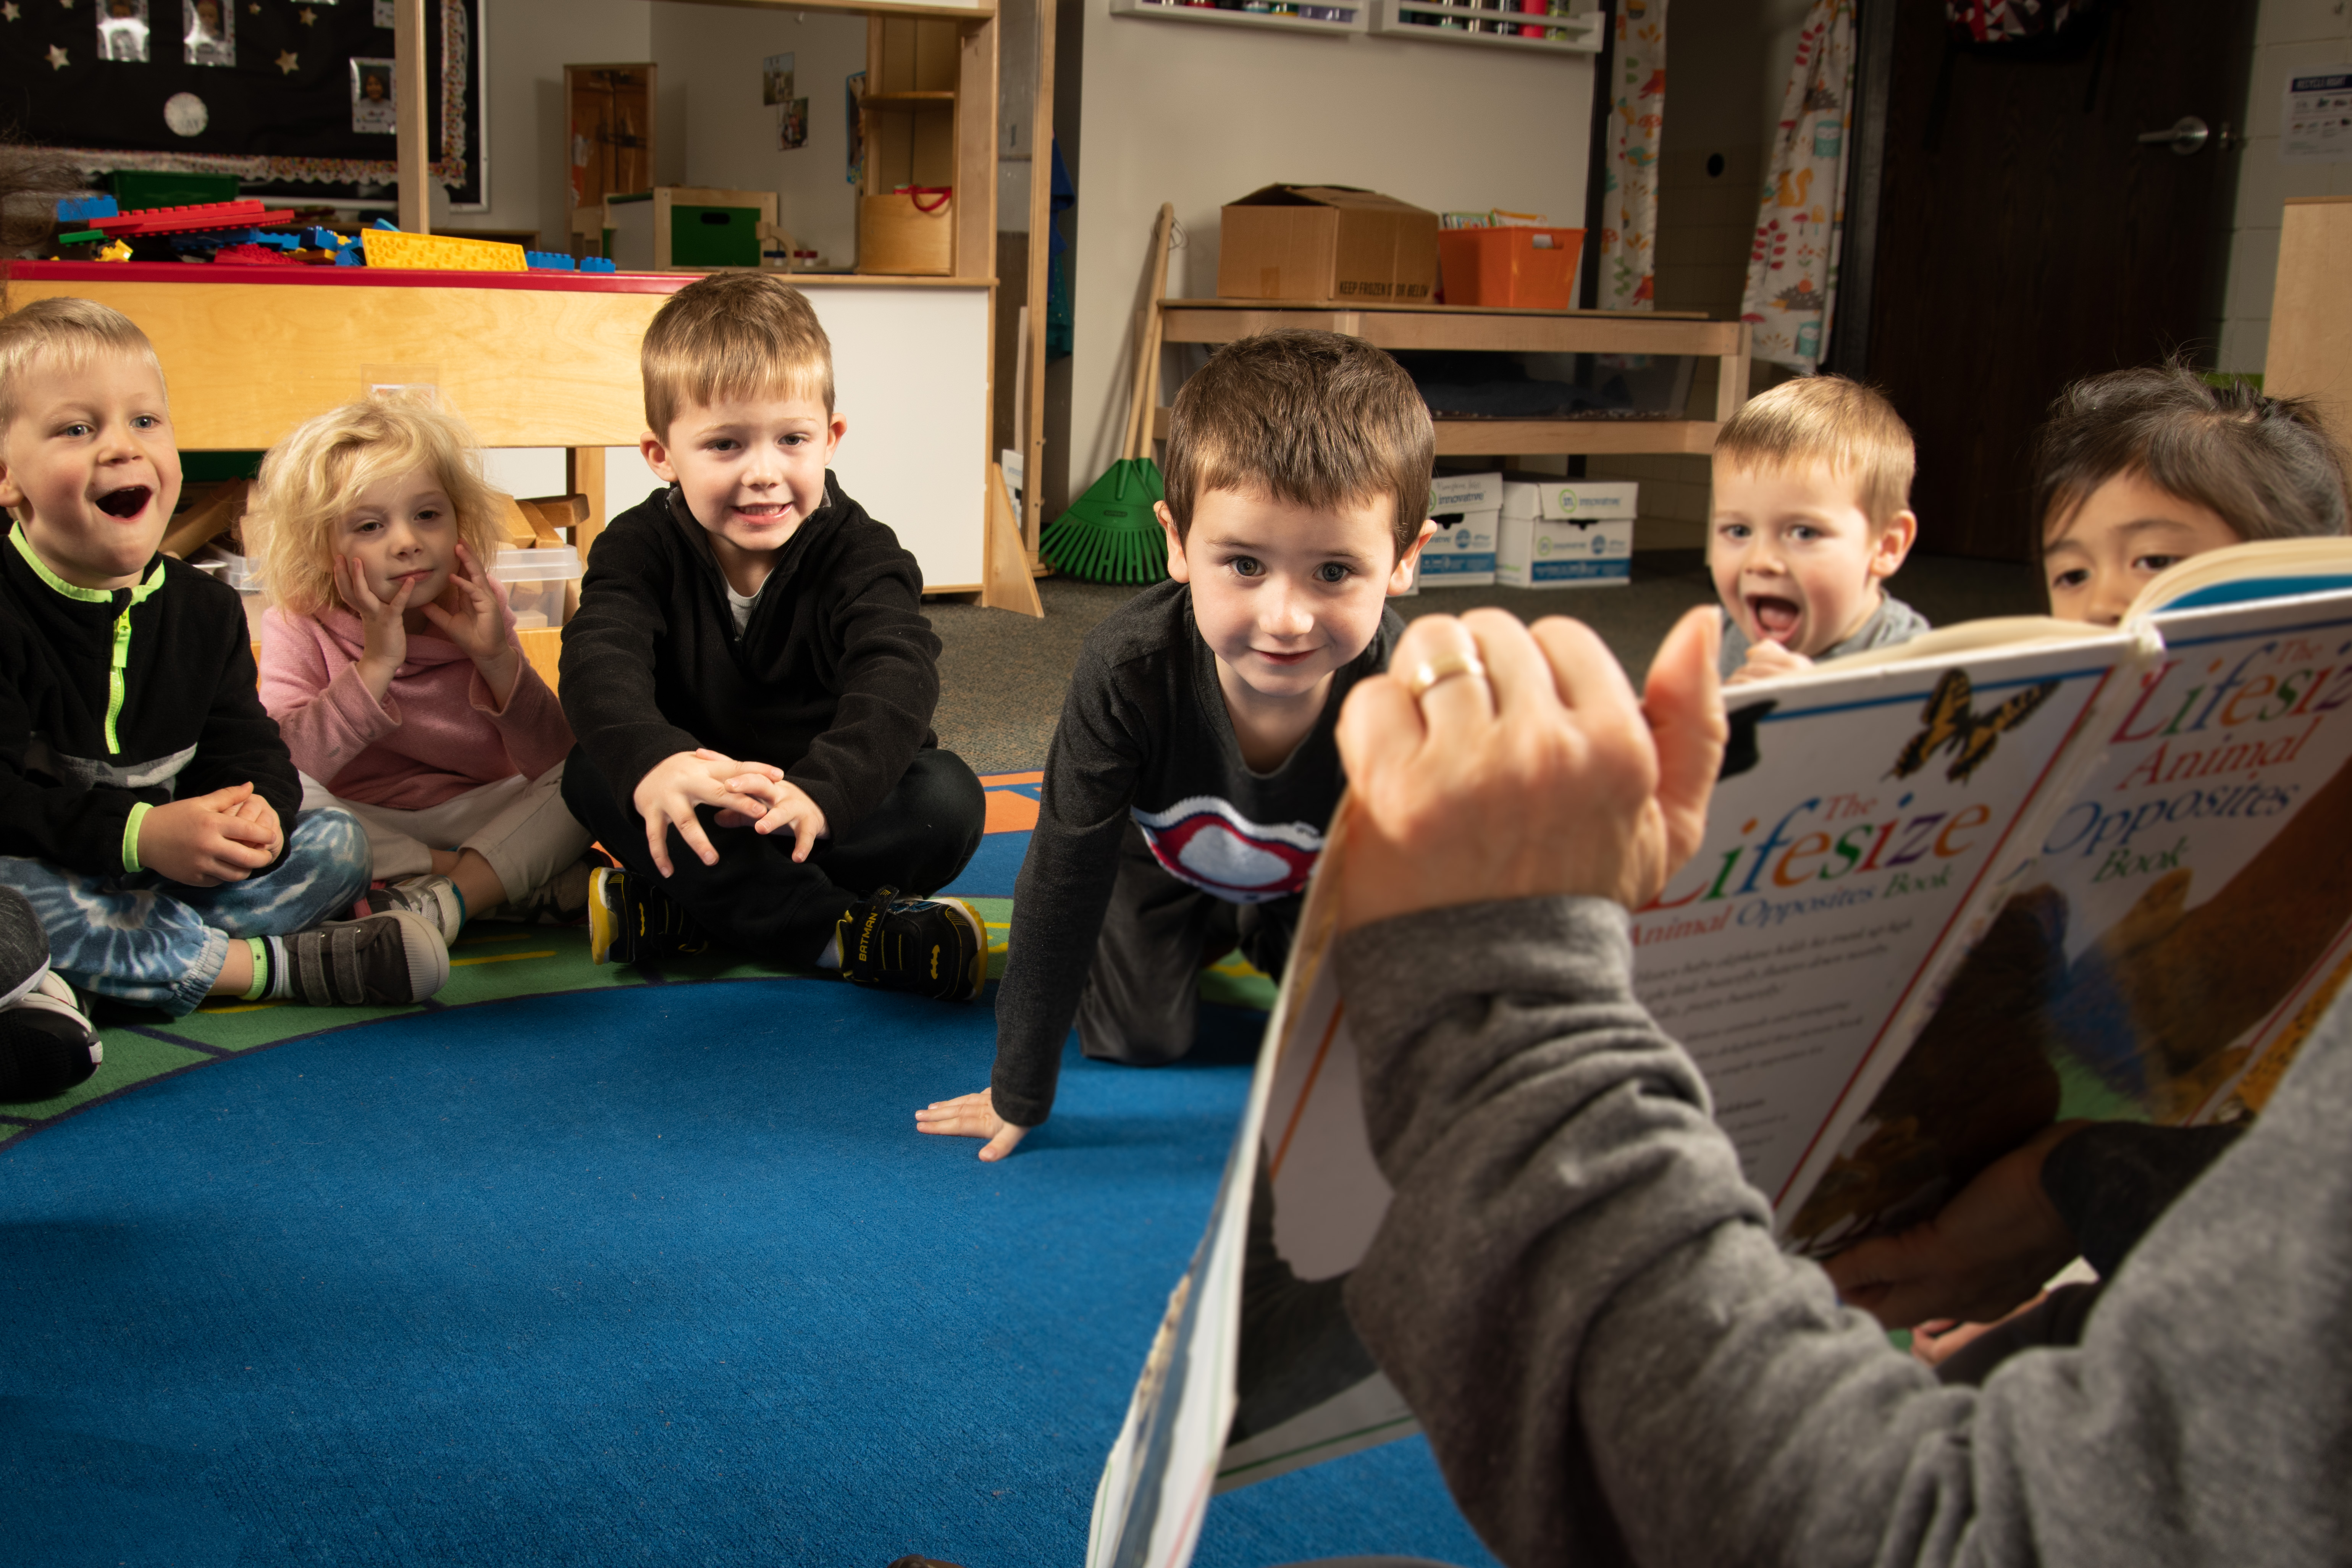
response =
{"points": [[209, 37], [122, 30], [2316, 127], [791, 126], [856, 98], [387, 12], [374, 107], [776, 80]]}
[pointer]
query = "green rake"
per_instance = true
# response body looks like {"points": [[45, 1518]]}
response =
{"points": [[1110, 534]]}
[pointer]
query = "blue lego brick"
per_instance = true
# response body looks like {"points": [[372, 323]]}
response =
{"points": [[385, 223], [87, 208], [549, 261], [595, 264]]}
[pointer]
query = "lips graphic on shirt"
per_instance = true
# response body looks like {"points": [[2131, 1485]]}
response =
{"points": [[1203, 840]]}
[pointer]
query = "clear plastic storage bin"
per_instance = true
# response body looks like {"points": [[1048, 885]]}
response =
{"points": [[536, 579]]}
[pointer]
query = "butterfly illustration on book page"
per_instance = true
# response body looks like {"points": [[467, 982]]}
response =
{"points": [[1952, 724]]}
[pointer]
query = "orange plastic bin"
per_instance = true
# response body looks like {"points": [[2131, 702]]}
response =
{"points": [[1527, 267]]}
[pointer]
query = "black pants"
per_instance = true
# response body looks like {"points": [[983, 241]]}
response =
{"points": [[756, 900], [1142, 1004]]}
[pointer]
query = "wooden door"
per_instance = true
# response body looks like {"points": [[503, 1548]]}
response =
{"points": [[2026, 237]]}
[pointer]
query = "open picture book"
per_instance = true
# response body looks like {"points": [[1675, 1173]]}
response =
{"points": [[1950, 892]]}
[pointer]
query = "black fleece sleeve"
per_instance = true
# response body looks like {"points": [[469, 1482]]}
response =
{"points": [[240, 742], [64, 824], [889, 689], [607, 665], [1065, 886]]}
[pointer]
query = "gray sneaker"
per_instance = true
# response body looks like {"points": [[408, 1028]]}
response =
{"points": [[432, 895], [384, 960], [46, 1045]]}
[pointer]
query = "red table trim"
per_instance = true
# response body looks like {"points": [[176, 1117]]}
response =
{"points": [[343, 276]]}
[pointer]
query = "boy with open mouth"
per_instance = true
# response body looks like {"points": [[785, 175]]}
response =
{"points": [[1811, 515]]}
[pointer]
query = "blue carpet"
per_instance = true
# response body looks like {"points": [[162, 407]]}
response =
{"points": [[653, 1275]]}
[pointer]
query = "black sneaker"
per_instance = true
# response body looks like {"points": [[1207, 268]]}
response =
{"points": [[384, 960], [46, 1045], [630, 919], [932, 947]]}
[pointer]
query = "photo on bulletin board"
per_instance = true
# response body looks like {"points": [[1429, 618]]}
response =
{"points": [[374, 105], [386, 12], [122, 31], [260, 90], [776, 79], [856, 93], [209, 37], [791, 126]]}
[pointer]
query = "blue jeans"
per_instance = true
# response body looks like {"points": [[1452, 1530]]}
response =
{"points": [[160, 943]]}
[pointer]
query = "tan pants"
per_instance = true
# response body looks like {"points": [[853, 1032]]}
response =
{"points": [[519, 826]]}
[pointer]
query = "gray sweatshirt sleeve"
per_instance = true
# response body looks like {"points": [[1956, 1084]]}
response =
{"points": [[1581, 1299]]}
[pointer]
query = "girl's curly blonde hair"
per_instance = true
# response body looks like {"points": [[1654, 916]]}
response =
{"points": [[318, 473]]}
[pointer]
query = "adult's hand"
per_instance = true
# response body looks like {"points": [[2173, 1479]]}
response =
{"points": [[1987, 1252], [1543, 776]]}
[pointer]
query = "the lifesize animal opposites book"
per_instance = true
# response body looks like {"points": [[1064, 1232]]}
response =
{"points": [[1950, 892]]}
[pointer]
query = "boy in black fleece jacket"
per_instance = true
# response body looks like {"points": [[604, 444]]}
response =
{"points": [[1193, 769], [750, 667], [148, 809]]}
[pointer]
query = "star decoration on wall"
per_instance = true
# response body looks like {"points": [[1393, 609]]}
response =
{"points": [[57, 58], [308, 15], [9, 12], [289, 61]]}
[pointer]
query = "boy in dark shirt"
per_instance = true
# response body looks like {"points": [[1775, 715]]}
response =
{"points": [[750, 658], [1194, 770], [148, 809]]}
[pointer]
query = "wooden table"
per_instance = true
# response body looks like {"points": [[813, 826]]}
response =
{"points": [[549, 359], [1502, 331]]}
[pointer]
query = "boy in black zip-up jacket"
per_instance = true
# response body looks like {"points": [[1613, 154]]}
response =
{"points": [[750, 670], [148, 809]]}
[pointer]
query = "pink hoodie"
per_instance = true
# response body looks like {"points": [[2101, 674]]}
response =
{"points": [[436, 734]]}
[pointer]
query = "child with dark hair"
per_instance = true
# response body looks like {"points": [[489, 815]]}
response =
{"points": [[2138, 468], [1194, 767]]}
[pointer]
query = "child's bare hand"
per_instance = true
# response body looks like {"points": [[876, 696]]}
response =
{"points": [[971, 1116], [257, 811], [467, 614], [788, 807], [385, 632], [204, 841], [667, 797], [1766, 660]]}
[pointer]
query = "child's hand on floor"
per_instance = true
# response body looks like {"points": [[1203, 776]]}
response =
{"points": [[667, 796], [473, 620], [971, 1116], [386, 634], [208, 839], [788, 807], [1766, 659]]}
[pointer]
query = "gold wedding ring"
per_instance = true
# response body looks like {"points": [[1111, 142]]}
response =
{"points": [[1439, 672]]}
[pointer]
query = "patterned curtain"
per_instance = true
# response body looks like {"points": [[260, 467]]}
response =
{"points": [[1801, 225], [1628, 226]]}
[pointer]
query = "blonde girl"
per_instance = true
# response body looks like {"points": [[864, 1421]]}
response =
{"points": [[390, 662]]}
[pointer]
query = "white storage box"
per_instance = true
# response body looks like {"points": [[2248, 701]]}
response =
{"points": [[538, 583], [1461, 554], [1570, 500], [241, 573], [1544, 553]]}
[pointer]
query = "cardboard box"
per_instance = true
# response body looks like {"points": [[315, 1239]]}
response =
{"points": [[1569, 500], [1325, 242], [1461, 554], [1547, 553]]}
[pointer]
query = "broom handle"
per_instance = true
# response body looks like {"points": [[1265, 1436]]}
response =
{"points": [[1147, 345]]}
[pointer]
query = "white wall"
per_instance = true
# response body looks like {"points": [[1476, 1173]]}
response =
{"points": [[528, 44], [2289, 35], [1198, 114], [726, 137]]}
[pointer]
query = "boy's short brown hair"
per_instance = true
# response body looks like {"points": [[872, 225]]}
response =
{"points": [[2265, 466], [734, 334], [1314, 419], [1842, 425], [72, 331]]}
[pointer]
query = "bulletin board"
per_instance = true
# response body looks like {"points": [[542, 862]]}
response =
{"points": [[293, 97]]}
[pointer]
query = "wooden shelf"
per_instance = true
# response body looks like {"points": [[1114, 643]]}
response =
{"points": [[1161, 10], [1392, 19], [909, 101], [1582, 437], [952, 9]]}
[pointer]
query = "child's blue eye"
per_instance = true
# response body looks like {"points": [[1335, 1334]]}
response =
{"points": [[1331, 571], [144, 422], [75, 431]]}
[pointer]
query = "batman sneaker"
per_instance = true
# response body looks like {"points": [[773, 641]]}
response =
{"points": [[47, 1044], [932, 947], [630, 919]]}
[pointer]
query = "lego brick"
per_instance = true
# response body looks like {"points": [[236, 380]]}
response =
{"points": [[596, 264], [87, 208], [549, 261], [245, 213], [387, 248]]}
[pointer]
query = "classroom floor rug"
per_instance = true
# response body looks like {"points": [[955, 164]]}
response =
{"points": [[616, 1266]]}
